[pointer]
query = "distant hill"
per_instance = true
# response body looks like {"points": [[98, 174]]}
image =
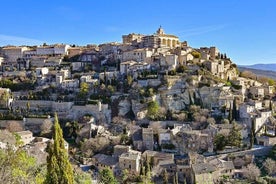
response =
{"points": [[260, 72], [270, 67]]}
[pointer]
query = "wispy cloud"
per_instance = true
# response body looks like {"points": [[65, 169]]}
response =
{"points": [[201, 30], [16, 40]]}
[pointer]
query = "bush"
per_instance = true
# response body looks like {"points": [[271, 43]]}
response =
{"points": [[196, 54]]}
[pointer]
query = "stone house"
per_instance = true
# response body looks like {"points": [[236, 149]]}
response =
{"points": [[164, 136], [268, 90], [102, 161], [137, 139], [155, 157], [124, 66], [130, 161], [147, 136], [257, 92], [169, 61], [169, 165], [118, 150], [266, 140], [216, 68], [13, 53], [26, 136], [138, 55], [204, 173], [225, 168], [192, 141], [69, 84]]}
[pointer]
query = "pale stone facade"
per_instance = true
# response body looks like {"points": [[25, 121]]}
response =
{"points": [[58, 49], [130, 38], [130, 161], [26, 136], [13, 53], [138, 55], [257, 91], [147, 135]]}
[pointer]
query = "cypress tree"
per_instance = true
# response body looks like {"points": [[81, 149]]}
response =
{"points": [[234, 110], [230, 117], [165, 176], [59, 169]]}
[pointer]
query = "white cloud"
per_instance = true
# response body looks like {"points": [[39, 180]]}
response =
{"points": [[16, 40]]}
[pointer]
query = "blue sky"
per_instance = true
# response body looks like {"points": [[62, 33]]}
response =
{"points": [[244, 29]]}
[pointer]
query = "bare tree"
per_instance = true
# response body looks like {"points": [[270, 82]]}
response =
{"points": [[46, 126], [182, 116], [211, 121], [251, 172], [14, 126], [270, 166]]}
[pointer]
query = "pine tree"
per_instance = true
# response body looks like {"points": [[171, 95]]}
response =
{"points": [[59, 169]]}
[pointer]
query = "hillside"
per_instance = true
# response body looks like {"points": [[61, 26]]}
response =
{"points": [[260, 72], [270, 67]]}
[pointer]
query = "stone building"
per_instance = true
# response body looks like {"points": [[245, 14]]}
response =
{"points": [[130, 161], [132, 38], [157, 40], [147, 136], [13, 53], [26, 136]]}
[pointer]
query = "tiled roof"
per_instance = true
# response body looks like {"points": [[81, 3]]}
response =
{"points": [[203, 168]]}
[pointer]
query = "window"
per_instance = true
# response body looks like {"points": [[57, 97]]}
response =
{"points": [[129, 166]]}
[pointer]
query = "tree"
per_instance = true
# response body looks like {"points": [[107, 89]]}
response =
{"points": [[225, 121], [252, 133], [270, 166], [234, 111], [181, 68], [129, 80], [211, 121], [234, 138], [165, 176], [28, 106], [271, 82], [230, 115], [196, 54], [107, 177], [175, 178], [59, 169], [46, 126], [251, 172], [125, 176], [84, 88], [82, 177], [14, 126], [16, 166], [272, 153], [220, 142], [74, 128], [153, 108], [4, 99]]}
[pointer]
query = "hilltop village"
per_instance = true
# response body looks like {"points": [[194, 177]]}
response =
{"points": [[150, 109]]}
